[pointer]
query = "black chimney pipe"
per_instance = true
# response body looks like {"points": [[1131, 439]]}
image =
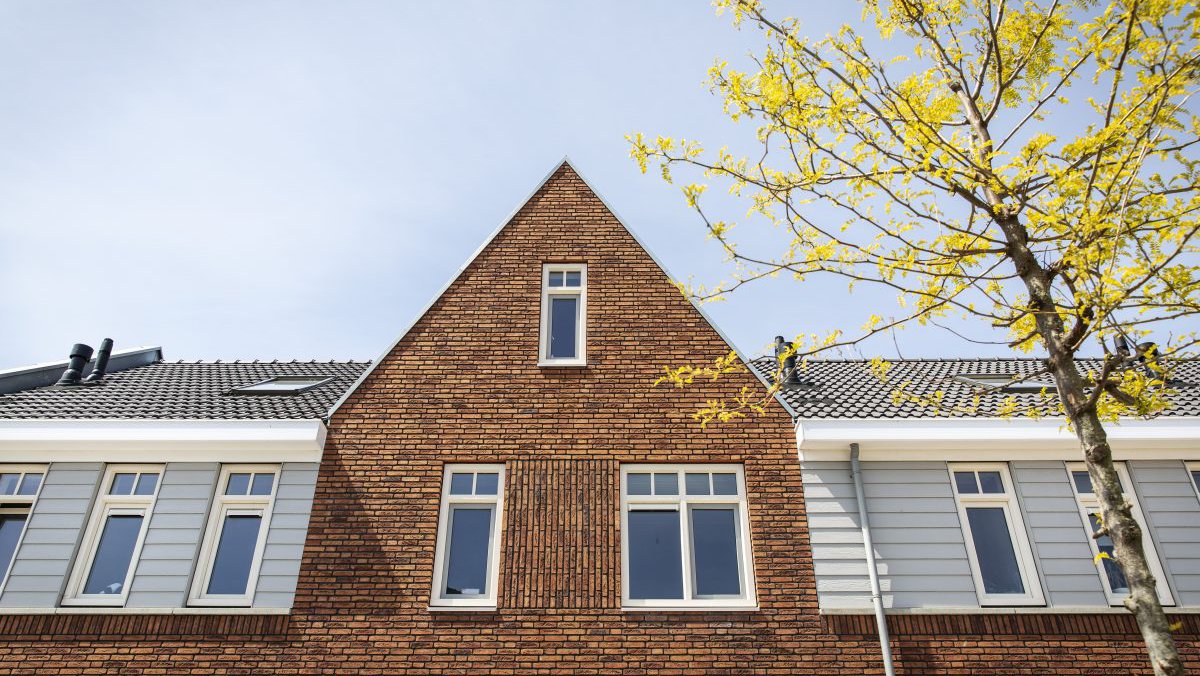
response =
{"points": [[80, 354], [101, 366], [789, 376]]}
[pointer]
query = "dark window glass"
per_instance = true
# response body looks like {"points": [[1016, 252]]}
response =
{"points": [[122, 484], [486, 484], [563, 313], [145, 484], [638, 484], [8, 483], [994, 551], [460, 483], [714, 552], [10, 531], [235, 554], [965, 482], [114, 553], [1083, 482], [1196, 479], [725, 484], [655, 555], [29, 485], [262, 484], [666, 484], [697, 484], [1116, 577], [990, 482], [556, 279], [239, 484], [467, 558], [573, 278]]}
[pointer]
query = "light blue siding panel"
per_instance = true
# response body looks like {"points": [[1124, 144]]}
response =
{"points": [[1173, 518], [172, 543], [44, 560], [280, 566]]}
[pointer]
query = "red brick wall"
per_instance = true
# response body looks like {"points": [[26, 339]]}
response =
{"points": [[463, 386]]}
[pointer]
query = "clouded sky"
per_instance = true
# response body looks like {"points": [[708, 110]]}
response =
{"points": [[297, 179]]}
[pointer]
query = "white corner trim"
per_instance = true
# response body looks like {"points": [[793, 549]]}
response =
{"points": [[40, 440], [990, 439]]}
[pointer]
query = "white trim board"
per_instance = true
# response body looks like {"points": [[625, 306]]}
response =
{"points": [[990, 439], [241, 441], [486, 242]]}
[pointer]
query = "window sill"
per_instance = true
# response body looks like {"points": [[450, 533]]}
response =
{"points": [[461, 609], [113, 610], [563, 363], [689, 609]]}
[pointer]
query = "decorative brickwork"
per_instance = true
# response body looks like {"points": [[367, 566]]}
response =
{"points": [[464, 386]]}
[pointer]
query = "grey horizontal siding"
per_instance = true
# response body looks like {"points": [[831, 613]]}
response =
{"points": [[920, 552], [44, 560], [280, 567], [168, 557], [1056, 533], [1172, 511]]}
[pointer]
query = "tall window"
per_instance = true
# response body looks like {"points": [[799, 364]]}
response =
{"points": [[1001, 560], [1194, 471], [564, 315], [19, 486], [1116, 587], [113, 538], [466, 562], [235, 536], [685, 537]]}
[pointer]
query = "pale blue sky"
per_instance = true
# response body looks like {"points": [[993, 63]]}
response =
{"points": [[296, 179]]}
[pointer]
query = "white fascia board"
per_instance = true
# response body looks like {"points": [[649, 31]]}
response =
{"points": [[41, 440], [990, 439]]}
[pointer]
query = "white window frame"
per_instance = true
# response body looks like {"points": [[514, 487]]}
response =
{"points": [[1007, 501], [104, 506], [548, 292], [488, 601], [1088, 503], [222, 506], [20, 504], [683, 504], [1193, 467]]}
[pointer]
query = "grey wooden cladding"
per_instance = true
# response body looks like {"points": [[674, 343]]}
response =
{"points": [[1172, 511], [280, 567]]}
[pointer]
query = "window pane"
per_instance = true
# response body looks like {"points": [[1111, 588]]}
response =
{"points": [[1196, 479], [487, 484], [989, 482], [1083, 482], [460, 483], [29, 485], [467, 558], [10, 531], [655, 555], [8, 483], [573, 278], [714, 552], [262, 484], [145, 484], [638, 484], [122, 484], [556, 279], [114, 553], [235, 554], [697, 484], [239, 484], [994, 551], [563, 315], [1116, 577], [666, 484], [965, 482], [725, 484]]}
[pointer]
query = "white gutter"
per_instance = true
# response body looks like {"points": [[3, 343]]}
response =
{"points": [[990, 439], [44, 440], [885, 645]]}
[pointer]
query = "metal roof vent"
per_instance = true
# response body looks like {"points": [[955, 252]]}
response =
{"points": [[80, 355], [101, 366], [788, 376]]}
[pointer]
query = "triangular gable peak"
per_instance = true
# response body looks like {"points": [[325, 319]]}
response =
{"points": [[482, 328]]}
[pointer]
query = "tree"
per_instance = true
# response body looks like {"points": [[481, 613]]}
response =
{"points": [[1031, 166]]}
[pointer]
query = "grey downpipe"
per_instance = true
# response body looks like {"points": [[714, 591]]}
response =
{"points": [[876, 596]]}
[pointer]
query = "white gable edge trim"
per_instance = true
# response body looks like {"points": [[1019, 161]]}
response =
{"points": [[990, 439], [566, 160], [241, 441]]}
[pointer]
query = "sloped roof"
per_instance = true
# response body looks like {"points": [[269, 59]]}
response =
{"points": [[848, 388], [187, 391]]}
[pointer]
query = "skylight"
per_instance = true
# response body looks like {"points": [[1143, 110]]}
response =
{"points": [[282, 385], [1004, 382]]}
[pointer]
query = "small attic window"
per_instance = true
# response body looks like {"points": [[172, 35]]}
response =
{"points": [[282, 385], [1004, 382]]}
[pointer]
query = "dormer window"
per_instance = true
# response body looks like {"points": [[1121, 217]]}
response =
{"points": [[564, 314]]}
